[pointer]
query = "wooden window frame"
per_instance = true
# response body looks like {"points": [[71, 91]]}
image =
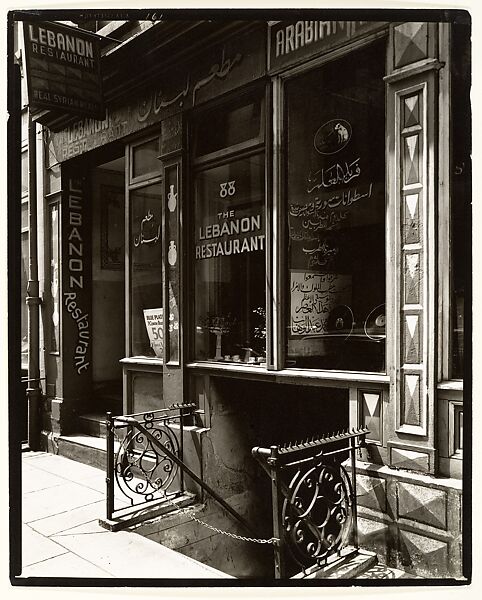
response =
{"points": [[279, 230], [132, 184], [255, 146]]}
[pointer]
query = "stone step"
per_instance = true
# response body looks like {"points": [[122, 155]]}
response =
{"points": [[380, 571], [350, 565], [93, 424], [87, 449]]}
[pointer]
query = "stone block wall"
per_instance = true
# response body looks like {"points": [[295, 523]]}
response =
{"points": [[412, 521]]}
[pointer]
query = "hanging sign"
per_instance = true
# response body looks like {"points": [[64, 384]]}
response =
{"points": [[215, 71], [63, 69]]}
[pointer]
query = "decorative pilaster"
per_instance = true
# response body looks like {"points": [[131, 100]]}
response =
{"points": [[171, 158], [412, 176], [75, 382]]}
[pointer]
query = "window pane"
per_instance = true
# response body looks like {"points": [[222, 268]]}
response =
{"points": [[144, 158], [458, 428], [54, 278], [23, 305], [336, 215], [24, 187], [230, 263], [24, 216], [221, 129], [461, 179], [146, 272]]}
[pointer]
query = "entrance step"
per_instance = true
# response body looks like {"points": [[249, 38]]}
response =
{"points": [[351, 565], [87, 449], [93, 424], [357, 564], [380, 571]]}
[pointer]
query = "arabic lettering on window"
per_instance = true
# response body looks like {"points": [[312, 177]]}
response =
{"points": [[146, 268], [336, 214]]}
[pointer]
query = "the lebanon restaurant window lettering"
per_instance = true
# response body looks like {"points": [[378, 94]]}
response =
{"points": [[229, 257], [336, 215]]}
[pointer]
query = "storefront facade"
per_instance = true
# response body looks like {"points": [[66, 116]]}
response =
{"points": [[271, 225]]}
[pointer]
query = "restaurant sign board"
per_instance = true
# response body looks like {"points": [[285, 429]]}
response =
{"points": [[221, 68], [63, 69], [292, 42]]}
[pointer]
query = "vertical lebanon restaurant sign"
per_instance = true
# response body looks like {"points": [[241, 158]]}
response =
{"points": [[291, 42], [63, 69]]}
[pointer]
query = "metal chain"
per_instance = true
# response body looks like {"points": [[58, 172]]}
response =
{"points": [[190, 513], [271, 540]]}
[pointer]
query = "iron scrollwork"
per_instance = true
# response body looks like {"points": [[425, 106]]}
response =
{"points": [[141, 469], [313, 498], [317, 513]]}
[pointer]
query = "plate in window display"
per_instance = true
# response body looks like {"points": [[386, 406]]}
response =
{"points": [[340, 322], [374, 326]]}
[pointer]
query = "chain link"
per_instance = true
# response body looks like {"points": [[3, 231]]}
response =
{"points": [[191, 515]]}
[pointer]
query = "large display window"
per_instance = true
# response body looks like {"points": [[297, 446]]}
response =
{"points": [[229, 255], [229, 235], [335, 210]]}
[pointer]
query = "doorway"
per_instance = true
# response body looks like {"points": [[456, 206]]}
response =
{"points": [[108, 284]]}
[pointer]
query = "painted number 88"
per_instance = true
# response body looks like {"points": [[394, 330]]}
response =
{"points": [[228, 188]]}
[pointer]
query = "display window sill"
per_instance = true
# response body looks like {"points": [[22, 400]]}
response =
{"points": [[455, 385], [308, 376], [141, 360]]}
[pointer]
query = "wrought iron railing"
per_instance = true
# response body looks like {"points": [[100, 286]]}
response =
{"points": [[135, 466], [148, 465], [313, 499]]}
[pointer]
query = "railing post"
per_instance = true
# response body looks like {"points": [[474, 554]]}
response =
{"points": [[277, 497], [181, 447], [109, 479], [353, 485]]}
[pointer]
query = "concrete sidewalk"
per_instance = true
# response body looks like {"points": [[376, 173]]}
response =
{"points": [[62, 502]]}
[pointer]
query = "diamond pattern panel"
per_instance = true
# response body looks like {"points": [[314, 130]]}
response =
{"points": [[413, 278], [375, 536], [411, 219], [412, 329], [371, 413], [410, 43], [409, 459], [411, 111], [427, 556], [411, 413], [371, 492], [411, 166], [422, 504]]}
